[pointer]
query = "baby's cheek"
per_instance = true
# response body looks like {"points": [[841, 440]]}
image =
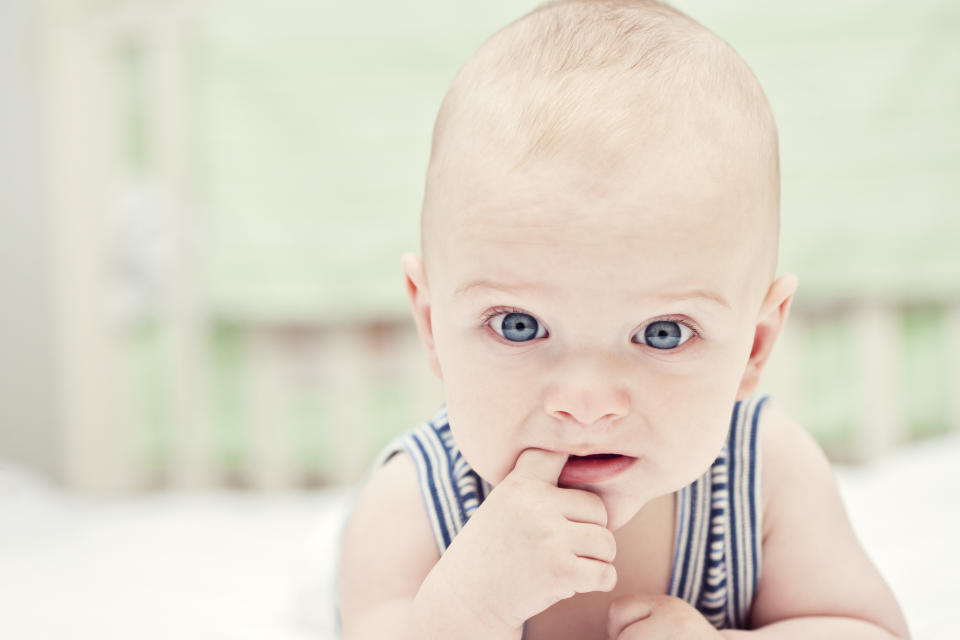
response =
{"points": [[486, 422], [481, 446], [693, 455]]}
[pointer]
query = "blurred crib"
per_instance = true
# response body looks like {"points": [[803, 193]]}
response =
{"points": [[205, 325]]}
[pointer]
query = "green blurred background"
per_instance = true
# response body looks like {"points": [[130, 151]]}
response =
{"points": [[222, 191]]}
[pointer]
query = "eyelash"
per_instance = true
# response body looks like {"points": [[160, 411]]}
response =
{"points": [[495, 311]]}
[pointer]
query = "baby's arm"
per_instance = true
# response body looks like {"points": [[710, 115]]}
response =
{"points": [[387, 586], [388, 549], [816, 581]]}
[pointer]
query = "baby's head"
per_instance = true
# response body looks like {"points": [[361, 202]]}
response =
{"points": [[599, 241]]}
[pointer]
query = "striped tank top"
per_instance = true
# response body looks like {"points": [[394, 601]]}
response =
{"points": [[718, 530]]}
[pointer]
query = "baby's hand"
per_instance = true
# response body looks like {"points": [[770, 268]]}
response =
{"points": [[657, 617], [531, 544]]}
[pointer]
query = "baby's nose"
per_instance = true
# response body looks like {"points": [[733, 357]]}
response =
{"points": [[587, 390], [585, 415]]}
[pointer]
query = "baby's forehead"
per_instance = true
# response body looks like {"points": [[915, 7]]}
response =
{"points": [[531, 224], [599, 119], [661, 188]]}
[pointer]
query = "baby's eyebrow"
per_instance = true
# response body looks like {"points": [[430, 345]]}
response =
{"points": [[679, 296], [489, 284], [697, 294]]}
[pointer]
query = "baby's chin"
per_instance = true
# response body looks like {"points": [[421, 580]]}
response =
{"points": [[621, 509], [622, 500], [618, 516]]}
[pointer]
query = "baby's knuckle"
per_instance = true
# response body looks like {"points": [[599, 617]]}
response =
{"points": [[598, 509], [602, 543], [597, 576], [615, 608], [531, 499], [565, 568], [633, 632], [513, 487], [684, 623], [524, 505], [608, 577], [685, 629], [610, 544]]}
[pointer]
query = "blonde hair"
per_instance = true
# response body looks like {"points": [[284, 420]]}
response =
{"points": [[597, 71]]}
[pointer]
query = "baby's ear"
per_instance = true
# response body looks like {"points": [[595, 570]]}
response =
{"points": [[415, 277], [773, 316]]}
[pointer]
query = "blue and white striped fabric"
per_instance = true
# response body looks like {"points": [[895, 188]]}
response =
{"points": [[451, 489], [716, 564], [718, 516]]}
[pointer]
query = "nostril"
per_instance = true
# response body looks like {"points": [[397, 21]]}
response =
{"points": [[566, 415]]}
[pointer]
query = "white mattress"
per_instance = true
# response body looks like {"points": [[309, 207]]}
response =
{"points": [[229, 565]]}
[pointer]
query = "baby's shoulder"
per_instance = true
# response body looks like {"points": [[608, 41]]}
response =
{"points": [[813, 564], [790, 458], [390, 505]]}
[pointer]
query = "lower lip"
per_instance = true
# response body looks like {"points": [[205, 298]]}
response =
{"points": [[586, 470]]}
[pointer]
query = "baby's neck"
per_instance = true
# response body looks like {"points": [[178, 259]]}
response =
{"points": [[648, 518]]}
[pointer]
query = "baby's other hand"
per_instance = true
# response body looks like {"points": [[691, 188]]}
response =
{"points": [[657, 617]]}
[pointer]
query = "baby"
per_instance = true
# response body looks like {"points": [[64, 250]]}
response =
{"points": [[597, 293]]}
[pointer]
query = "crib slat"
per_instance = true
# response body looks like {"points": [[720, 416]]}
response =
{"points": [[880, 412], [271, 464], [953, 362]]}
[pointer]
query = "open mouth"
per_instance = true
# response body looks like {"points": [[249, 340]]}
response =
{"points": [[594, 468], [597, 456]]}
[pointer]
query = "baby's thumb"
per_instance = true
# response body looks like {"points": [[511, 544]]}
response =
{"points": [[540, 464]]}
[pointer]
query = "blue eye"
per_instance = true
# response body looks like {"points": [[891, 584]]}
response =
{"points": [[666, 334], [517, 327]]}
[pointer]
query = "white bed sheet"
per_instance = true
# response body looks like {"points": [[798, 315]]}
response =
{"points": [[236, 566]]}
